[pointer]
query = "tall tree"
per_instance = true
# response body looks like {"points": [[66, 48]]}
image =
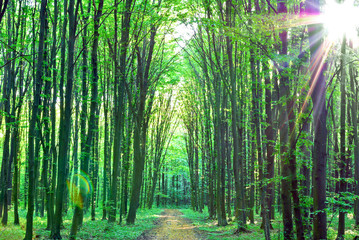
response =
{"points": [[284, 134], [53, 118], [3, 6], [354, 111], [7, 93], [318, 95], [120, 79], [144, 101], [238, 184], [34, 115], [65, 119], [92, 124], [343, 153]]}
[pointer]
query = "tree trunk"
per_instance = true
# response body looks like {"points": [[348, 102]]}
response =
{"points": [[92, 128], [343, 154], [143, 111], [65, 127], [354, 111], [32, 126], [239, 212], [318, 84], [120, 73], [50, 215], [269, 173], [107, 150], [284, 136]]}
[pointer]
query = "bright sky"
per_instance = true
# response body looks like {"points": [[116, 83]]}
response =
{"points": [[340, 19], [183, 33]]}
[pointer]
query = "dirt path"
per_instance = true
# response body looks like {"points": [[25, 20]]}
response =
{"points": [[171, 225]]}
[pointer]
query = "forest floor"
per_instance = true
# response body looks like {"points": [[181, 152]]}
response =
{"points": [[172, 225], [159, 223], [210, 229], [91, 230]]}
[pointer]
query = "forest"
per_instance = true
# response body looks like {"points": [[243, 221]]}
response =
{"points": [[179, 119]]}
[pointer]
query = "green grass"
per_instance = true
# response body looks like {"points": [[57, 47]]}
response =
{"points": [[212, 231], [11, 232], [97, 229], [102, 230]]}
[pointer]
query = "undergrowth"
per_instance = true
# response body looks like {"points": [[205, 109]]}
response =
{"points": [[209, 227], [98, 229]]}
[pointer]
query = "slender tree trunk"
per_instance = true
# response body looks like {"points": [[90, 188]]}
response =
{"points": [[143, 111], [318, 94], [107, 156], [354, 88], [220, 200], [65, 127], [95, 168], [32, 127], [284, 136], [269, 173], [92, 128], [126, 168], [50, 215], [5, 199], [17, 133], [239, 212], [120, 73], [196, 160], [343, 154]]}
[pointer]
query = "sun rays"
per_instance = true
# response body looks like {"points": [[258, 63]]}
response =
{"points": [[340, 19], [337, 20]]}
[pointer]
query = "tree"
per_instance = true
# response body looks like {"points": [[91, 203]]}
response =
{"points": [[33, 123], [318, 86], [120, 74], [92, 124], [141, 116], [343, 153], [65, 118]]}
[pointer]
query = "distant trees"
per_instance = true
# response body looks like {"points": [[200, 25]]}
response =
{"points": [[163, 127]]}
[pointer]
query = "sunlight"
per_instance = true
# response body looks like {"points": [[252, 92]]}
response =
{"points": [[183, 33], [340, 19]]}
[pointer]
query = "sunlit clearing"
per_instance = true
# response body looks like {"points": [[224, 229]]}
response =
{"points": [[183, 33], [341, 19], [79, 188]]}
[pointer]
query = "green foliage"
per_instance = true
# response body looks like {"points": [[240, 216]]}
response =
{"points": [[212, 231], [162, 195], [97, 229]]}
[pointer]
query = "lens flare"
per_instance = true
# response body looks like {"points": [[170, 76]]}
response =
{"points": [[340, 19], [79, 188]]}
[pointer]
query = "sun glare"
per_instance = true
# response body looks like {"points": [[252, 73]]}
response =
{"points": [[341, 19], [183, 33]]}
